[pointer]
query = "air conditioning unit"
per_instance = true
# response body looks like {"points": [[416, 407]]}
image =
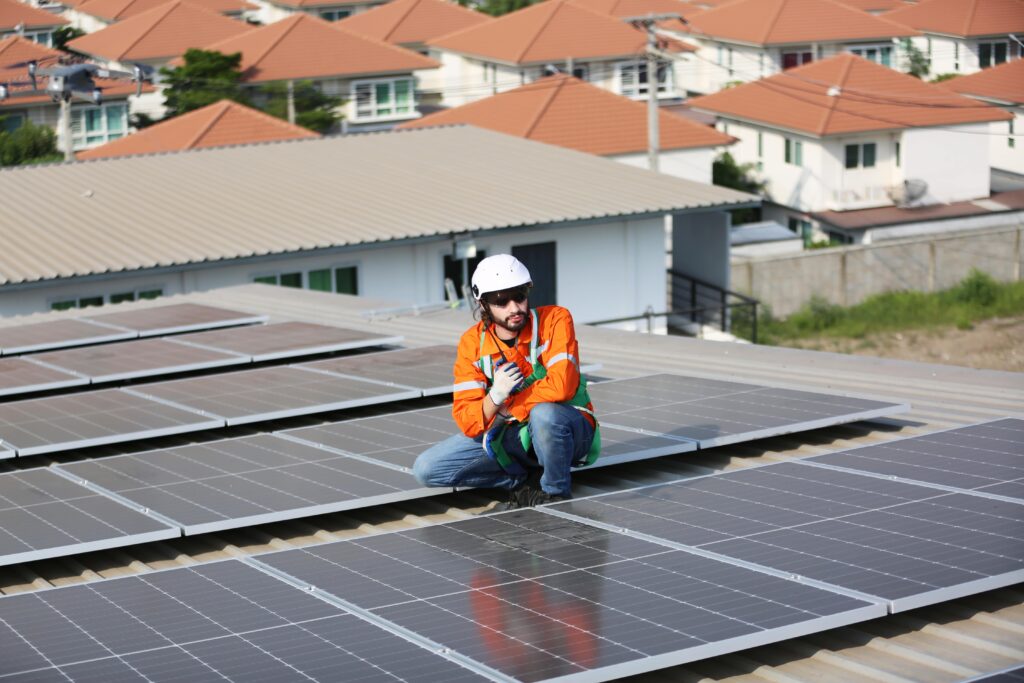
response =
{"points": [[908, 193]]}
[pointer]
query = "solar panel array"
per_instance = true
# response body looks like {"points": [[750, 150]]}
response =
{"points": [[55, 334], [286, 340], [22, 375]]}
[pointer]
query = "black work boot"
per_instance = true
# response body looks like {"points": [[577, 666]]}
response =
{"points": [[542, 497], [522, 495]]}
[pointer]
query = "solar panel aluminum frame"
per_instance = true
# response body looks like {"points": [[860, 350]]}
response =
{"points": [[105, 334], [307, 351], [7, 450], [73, 379]]}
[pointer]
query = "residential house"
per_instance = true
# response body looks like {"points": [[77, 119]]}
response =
{"points": [[965, 36], [745, 40], [844, 134], [91, 124], [329, 10], [558, 35], [565, 111], [375, 214], [19, 19], [221, 124], [94, 15], [411, 24], [376, 80], [1003, 86]]}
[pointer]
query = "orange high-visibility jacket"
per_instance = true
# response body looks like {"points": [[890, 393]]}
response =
{"points": [[557, 350]]}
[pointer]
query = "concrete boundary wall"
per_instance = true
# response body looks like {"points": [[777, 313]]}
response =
{"points": [[848, 275]]}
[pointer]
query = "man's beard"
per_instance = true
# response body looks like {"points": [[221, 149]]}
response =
{"points": [[513, 328]]}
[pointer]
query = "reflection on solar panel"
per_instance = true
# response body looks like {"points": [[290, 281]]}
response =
{"points": [[42, 515], [59, 423], [397, 439], [57, 334], [535, 597], [284, 340], [716, 413], [140, 358], [986, 458], [150, 322], [222, 621], [21, 376], [910, 545], [241, 482], [271, 393], [429, 368]]}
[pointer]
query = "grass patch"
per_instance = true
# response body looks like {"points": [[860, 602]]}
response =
{"points": [[977, 297]]}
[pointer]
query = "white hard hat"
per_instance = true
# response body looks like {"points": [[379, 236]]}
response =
{"points": [[498, 272]]}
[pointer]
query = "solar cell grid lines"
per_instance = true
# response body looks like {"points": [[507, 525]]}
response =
{"points": [[535, 597], [241, 482], [43, 514], [139, 358], [22, 375], [716, 413], [428, 368], [57, 423], [986, 458], [220, 621], [283, 340], [271, 393], [56, 334], [910, 545], [173, 318]]}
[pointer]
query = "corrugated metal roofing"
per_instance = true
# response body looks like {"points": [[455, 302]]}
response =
{"points": [[140, 212], [940, 644]]}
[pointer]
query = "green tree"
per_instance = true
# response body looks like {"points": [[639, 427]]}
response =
{"points": [[28, 144], [313, 109], [207, 76], [65, 34], [727, 173], [496, 8], [943, 77], [915, 63]]}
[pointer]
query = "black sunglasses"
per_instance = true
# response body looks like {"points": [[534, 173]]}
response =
{"points": [[501, 299]]}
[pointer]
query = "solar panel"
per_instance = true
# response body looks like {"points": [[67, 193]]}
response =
{"points": [[22, 376], [986, 458], [716, 413], [271, 393], [43, 514], [241, 482], [398, 438], [169, 319], [140, 358], [221, 621], [57, 334], [909, 545], [284, 340], [59, 423], [534, 597]]}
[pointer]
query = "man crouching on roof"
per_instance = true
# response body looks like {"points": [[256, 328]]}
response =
{"points": [[520, 401]]}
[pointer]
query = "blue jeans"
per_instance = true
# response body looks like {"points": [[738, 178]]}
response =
{"points": [[561, 437]]}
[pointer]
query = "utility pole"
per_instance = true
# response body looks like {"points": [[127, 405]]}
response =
{"points": [[291, 102], [646, 23]]}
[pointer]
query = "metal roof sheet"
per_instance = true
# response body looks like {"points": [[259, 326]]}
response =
{"points": [[140, 212]]}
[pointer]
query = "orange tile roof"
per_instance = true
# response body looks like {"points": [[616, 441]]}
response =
{"points": [[302, 46], [565, 111], [305, 4], [865, 97], [875, 5], [13, 13], [160, 33], [554, 30], [964, 18], [409, 22], [220, 124], [782, 22], [116, 10], [638, 8], [15, 50], [1004, 83]]}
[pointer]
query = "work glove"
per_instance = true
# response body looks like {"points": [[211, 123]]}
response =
{"points": [[507, 378]]}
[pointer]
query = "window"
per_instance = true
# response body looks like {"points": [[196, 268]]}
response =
{"points": [[92, 126], [992, 53], [899, 157], [383, 99], [861, 156], [320, 280], [346, 280], [11, 122], [291, 280], [334, 14], [794, 152], [802, 228], [633, 79], [1010, 142], [793, 59], [956, 56], [122, 296], [453, 269], [339, 280], [581, 72], [879, 54], [760, 151], [99, 300], [540, 260]]}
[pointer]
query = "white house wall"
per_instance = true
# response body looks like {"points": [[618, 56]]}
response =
{"points": [[691, 164], [798, 187], [1002, 155], [954, 162], [847, 189]]}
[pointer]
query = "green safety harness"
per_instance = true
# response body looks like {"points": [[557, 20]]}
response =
{"points": [[494, 439]]}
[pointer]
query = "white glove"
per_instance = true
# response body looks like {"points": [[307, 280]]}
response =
{"points": [[506, 379]]}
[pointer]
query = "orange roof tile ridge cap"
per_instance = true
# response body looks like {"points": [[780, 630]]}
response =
{"points": [[405, 15], [835, 100], [171, 6], [225, 105], [558, 5], [299, 17], [544, 107], [771, 24]]}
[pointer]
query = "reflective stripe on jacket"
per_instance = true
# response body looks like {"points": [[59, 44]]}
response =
{"points": [[557, 350]]}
